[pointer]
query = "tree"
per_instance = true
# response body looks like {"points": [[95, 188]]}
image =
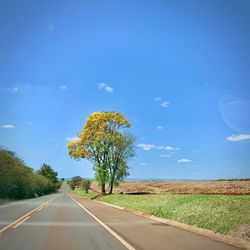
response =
{"points": [[95, 140], [85, 185], [47, 171], [122, 150], [76, 180]]}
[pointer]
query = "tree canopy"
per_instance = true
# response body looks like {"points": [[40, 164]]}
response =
{"points": [[97, 140], [47, 171]]}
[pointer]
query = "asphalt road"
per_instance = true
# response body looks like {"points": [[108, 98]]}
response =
{"points": [[61, 222]]}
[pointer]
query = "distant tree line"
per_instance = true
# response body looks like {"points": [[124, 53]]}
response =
{"points": [[18, 181], [236, 179]]}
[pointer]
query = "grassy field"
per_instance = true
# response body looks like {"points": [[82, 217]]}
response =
{"points": [[220, 213], [187, 202]]}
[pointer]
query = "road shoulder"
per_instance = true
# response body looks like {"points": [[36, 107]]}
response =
{"points": [[117, 221]]}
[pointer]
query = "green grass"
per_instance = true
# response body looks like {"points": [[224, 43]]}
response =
{"points": [[89, 196], [219, 213]]}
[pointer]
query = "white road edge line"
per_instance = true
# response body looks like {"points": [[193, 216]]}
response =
{"points": [[125, 243], [22, 217], [20, 222]]}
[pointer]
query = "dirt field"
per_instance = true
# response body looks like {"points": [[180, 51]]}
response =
{"points": [[204, 187]]}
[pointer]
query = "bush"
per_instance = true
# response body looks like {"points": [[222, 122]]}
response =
{"points": [[17, 181], [85, 185]]}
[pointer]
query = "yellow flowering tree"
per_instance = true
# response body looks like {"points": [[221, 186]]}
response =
{"points": [[96, 139]]}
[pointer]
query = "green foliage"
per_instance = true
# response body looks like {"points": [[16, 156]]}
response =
{"points": [[219, 213], [85, 185], [121, 150], [17, 181], [47, 171], [96, 141], [75, 181], [89, 196]]}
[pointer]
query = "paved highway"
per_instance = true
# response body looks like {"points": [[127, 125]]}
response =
{"points": [[60, 221], [57, 222]]}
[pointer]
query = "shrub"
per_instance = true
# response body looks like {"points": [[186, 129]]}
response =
{"points": [[85, 185], [17, 181]]}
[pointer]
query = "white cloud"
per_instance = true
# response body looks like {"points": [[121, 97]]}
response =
{"points": [[159, 127], [105, 87], [51, 27], [165, 104], [143, 164], [157, 99], [168, 148], [240, 137], [72, 139], [63, 87], [148, 147], [8, 126], [14, 89], [184, 161], [29, 123]]}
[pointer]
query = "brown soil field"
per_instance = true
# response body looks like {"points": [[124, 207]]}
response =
{"points": [[203, 187]]}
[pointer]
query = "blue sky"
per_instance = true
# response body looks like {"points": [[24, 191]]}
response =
{"points": [[179, 70]]}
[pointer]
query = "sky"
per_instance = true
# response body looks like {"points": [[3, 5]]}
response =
{"points": [[178, 70]]}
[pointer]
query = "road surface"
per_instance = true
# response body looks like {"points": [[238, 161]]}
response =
{"points": [[62, 222]]}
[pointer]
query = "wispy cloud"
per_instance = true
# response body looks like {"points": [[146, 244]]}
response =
{"points": [[71, 139], [184, 161], [7, 126], [148, 147], [30, 123], [21, 88], [29, 88], [168, 148], [13, 89], [157, 99], [163, 103], [51, 27], [159, 127], [105, 87], [143, 164], [240, 137], [63, 87]]}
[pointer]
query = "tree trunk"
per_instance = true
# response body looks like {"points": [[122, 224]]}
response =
{"points": [[103, 188], [111, 187]]}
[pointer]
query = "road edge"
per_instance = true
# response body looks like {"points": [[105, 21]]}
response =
{"points": [[112, 232], [238, 242]]}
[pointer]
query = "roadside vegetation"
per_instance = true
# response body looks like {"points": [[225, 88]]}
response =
{"points": [[220, 213], [81, 192], [18, 181], [81, 186], [103, 143]]}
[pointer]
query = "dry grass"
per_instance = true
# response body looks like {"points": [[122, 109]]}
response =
{"points": [[203, 187]]}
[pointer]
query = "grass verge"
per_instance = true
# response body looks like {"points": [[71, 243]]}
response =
{"points": [[220, 213], [89, 196]]}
